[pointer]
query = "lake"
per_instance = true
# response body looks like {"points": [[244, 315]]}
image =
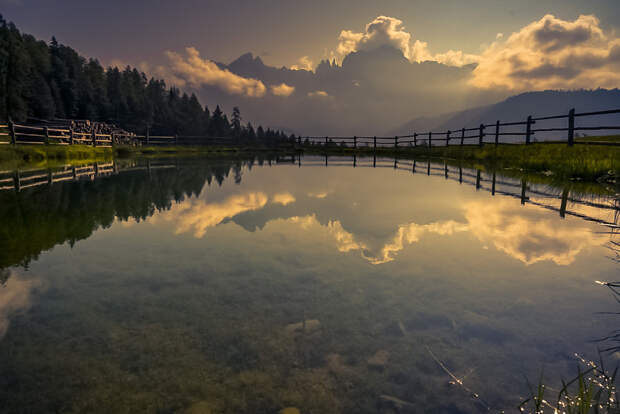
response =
{"points": [[255, 285]]}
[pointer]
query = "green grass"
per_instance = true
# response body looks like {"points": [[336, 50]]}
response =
{"points": [[582, 162], [590, 163], [591, 391], [51, 155]]}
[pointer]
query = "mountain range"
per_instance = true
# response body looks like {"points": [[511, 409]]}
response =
{"points": [[379, 91]]}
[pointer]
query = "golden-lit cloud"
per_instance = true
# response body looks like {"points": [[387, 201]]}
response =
{"points": [[198, 216], [529, 234], [390, 31], [304, 63], [411, 233], [319, 194], [318, 94], [282, 90], [15, 297], [381, 31], [552, 53], [195, 71], [405, 234], [283, 198]]}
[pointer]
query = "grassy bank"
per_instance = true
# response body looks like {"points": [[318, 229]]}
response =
{"points": [[582, 162], [579, 162]]}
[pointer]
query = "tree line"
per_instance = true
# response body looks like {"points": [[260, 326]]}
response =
{"points": [[46, 81]]}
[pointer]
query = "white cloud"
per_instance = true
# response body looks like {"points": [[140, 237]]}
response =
{"points": [[196, 72], [390, 31], [282, 90], [383, 30], [552, 53]]}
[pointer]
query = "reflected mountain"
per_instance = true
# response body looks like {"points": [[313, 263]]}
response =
{"points": [[37, 219]]}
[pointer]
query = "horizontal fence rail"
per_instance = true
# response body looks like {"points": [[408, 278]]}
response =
{"points": [[534, 194], [517, 132], [522, 132]]}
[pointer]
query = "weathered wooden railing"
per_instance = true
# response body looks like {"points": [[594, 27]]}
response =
{"points": [[12, 133], [520, 132], [524, 131], [527, 193]]}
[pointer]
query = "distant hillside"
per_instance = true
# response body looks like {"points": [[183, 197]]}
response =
{"points": [[518, 107]]}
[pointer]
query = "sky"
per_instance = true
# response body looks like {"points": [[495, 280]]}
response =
{"points": [[483, 51], [280, 31]]}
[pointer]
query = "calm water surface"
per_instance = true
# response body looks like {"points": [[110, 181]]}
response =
{"points": [[233, 287]]}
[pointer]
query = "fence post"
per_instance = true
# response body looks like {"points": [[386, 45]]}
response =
{"points": [[528, 130], [47, 135], [497, 133], [523, 191], [375, 143], [493, 185], [325, 142], [354, 142], [12, 132], [396, 142], [94, 137], [71, 134], [462, 136], [413, 169], [478, 180], [564, 203], [430, 138], [16, 181], [571, 127], [415, 139], [481, 136], [448, 138]]}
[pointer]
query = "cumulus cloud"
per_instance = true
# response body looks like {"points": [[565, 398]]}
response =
{"points": [[390, 31], [282, 90], [198, 215], [304, 63], [195, 71], [529, 235], [283, 198], [405, 234], [552, 53], [383, 30]]}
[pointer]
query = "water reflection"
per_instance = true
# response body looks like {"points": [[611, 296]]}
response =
{"points": [[530, 235], [224, 287]]}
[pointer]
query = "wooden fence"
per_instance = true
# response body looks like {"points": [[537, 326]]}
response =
{"points": [[495, 133], [520, 132], [527, 193], [34, 135]]}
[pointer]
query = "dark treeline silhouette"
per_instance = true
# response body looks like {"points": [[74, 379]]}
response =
{"points": [[46, 81], [40, 218]]}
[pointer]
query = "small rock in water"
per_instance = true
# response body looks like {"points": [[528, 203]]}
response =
{"points": [[379, 359], [290, 410], [307, 326]]}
